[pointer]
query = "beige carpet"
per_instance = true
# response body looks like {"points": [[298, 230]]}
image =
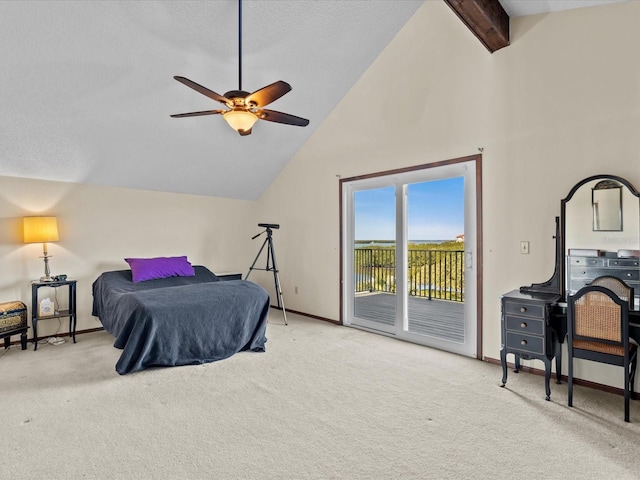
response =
{"points": [[323, 402]]}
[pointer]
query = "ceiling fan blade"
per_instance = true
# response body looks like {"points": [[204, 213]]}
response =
{"points": [[279, 117], [244, 133], [268, 94], [203, 90], [198, 114]]}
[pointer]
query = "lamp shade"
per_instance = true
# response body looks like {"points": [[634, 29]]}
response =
{"points": [[240, 119], [40, 229]]}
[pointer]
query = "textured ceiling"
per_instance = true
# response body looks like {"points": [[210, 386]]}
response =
{"points": [[519, 8], [87, 88]]}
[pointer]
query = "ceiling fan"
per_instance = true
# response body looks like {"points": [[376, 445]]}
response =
{"points": [[244, 108]]}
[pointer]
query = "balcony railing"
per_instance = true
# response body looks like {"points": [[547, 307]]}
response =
{"points": [[432, 274]]}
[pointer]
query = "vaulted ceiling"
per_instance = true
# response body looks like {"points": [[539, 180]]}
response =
{"points": [[87, 87]]}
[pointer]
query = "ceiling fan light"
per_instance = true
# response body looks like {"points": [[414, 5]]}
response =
{"points": [[240, 119]]}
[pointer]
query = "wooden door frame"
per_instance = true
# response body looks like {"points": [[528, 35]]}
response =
{"points": [[478, 247]]}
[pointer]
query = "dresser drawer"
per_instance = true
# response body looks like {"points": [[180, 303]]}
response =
{"points": [[526, 309], [624, 262], [577, 284], [525, 343], [587, 261], [625, 275], [525, 325], [588, 273]]}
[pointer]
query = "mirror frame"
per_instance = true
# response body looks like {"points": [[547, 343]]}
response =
{"points": [[563, 211]]}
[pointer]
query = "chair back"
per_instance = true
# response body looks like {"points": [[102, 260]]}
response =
{"points": [[617, 286], [598, 330], [598, 320]]}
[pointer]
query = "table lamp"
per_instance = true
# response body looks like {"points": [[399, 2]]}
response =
{"points": [[41, 230]]}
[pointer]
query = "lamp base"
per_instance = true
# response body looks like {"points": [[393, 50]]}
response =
{"points": [[46, 278]]}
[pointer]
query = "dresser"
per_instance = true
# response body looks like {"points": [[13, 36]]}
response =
{"points": [[528, 333], [581, 270]]}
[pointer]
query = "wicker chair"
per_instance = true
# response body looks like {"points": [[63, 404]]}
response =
{"points": [[617, 286], [598, 330]]}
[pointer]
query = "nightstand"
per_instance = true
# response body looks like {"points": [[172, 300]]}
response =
{"points": [[225, 276], [71, 312], [527, 332]]}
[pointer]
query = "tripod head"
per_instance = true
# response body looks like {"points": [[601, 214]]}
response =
{"points": [[268, 227]]}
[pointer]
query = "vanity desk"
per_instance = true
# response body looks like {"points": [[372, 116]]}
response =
{"points": [[597, 233]]}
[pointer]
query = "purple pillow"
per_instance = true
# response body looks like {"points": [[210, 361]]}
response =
{"points": [[160, 267]]}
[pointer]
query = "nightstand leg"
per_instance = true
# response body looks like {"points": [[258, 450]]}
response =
{"points": [[34, 314], [72, 327], [23, 340], [35, 334]]}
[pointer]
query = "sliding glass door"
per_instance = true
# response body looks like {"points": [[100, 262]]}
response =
{"points": [[435, 258], [408, 255], [374, 258]]}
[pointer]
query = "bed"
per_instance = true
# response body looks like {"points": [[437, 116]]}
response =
{"points": [[180, 320]]}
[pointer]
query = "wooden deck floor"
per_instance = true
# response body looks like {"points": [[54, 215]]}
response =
{"points": [[438, 318]]}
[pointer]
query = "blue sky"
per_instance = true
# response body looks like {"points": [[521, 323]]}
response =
{"points": [[435, 211]]}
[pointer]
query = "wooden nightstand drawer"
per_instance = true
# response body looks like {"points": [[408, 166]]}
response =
{"points": [[525, 325], [525, 343], [519, 308]]}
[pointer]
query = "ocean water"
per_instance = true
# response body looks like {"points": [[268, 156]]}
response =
{"points": [[390, 243]]}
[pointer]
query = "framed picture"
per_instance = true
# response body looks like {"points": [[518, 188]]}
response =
{"points": [[46, 308]]}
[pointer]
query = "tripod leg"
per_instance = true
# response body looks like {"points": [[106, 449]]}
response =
{"points": [[280, 299], [257, 257], [276, 280]]}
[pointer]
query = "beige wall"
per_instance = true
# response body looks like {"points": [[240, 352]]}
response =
{"points": [[561, 103], [100, 226]]}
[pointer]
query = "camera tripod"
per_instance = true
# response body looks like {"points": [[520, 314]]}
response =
{"points": [[271, 265]]}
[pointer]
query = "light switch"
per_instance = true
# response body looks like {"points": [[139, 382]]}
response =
{"points": [[524, 247]]}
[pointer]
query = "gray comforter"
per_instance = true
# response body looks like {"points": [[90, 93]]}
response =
{"points": [[180, 320]]}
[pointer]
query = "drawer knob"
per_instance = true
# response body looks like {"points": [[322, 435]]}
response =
{"points": [[523, 325], [523, 309], [523, 342]]}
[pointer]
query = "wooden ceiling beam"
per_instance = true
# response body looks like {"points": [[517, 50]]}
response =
{"points": [[486, 19]]}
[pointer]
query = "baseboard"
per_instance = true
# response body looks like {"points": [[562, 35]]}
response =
{"points": [[563, 378], [66, 334], [316, 317]]}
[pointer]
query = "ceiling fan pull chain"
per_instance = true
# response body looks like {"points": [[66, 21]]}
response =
{"points": [[239, 44]]}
